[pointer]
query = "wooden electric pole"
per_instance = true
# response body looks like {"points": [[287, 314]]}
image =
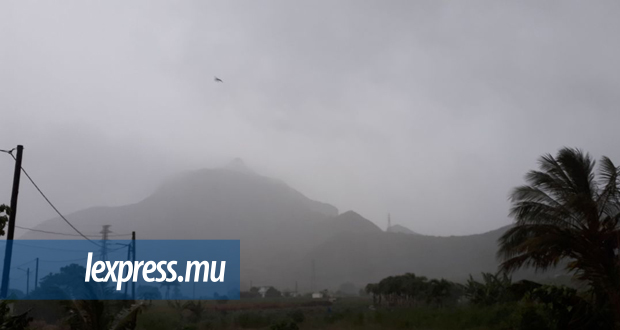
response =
{"points": [[128, 258], [28, 281], [104, 242], [36, 275], [8, 252], [133, 260]]}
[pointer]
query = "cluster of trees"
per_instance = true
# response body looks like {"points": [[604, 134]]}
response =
{"points": [[254, 292], [569, 212], [494, 289], [548, 306], [411, 290]]}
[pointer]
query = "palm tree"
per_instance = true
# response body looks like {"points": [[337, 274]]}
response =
{"points": [[494, 289], [439, 290], [568, 213]]}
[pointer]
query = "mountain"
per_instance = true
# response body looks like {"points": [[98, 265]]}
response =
{"points": [[283, 232], [401, 229]]}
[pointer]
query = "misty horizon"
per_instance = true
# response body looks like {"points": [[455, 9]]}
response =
{"points": [[310, 165], [369, 107]]}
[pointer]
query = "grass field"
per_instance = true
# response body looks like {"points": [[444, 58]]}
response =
{"points": [[348, 313]]}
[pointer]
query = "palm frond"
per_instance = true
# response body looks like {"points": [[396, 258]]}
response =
{"points": [[568, 212]]}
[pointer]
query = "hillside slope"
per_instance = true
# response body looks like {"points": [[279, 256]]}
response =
{"points": [[282, 232]]}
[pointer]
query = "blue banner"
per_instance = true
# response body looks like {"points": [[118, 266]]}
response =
{"points": [[94, 270]]}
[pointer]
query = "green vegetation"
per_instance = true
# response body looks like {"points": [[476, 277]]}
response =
{"points": [[567, 215], [9, 320], [412, 290], [567, 212], [4, 217]]}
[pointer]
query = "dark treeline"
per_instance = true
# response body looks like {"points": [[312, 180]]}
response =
{"points": [[412, 290]]}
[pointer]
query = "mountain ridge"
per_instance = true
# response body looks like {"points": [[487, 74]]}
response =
{"points": [[282, 231]]}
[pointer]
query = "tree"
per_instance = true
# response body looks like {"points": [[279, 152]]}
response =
{"points": [[272, 293], [411, 290], [92, 313], [8, 321], [69, 283], [372, 288], [101, 315], [568, 213], [494, 289], [439, 291], [4, 217]]}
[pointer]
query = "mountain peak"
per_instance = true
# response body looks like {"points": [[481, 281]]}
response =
{"points": [[351, 221], [238, 165]]}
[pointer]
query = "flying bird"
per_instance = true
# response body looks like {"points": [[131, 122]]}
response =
{"points": [[218, 80]]}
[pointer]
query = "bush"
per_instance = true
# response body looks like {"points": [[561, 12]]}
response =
{"points": [[297, 315], [253, 320], [8, 321], [159, 320], [531, 317], [285, 325]]}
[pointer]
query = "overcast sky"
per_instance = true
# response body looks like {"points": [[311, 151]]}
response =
{"points": [[431, 111]]}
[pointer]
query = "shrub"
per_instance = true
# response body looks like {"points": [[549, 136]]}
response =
{"points": [[253, 320], [285, 325], [297, 315]]}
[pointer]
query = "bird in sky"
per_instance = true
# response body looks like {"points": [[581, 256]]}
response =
{"points": [[218, 80]]}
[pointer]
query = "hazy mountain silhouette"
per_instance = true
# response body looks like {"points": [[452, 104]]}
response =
{"points": [[282, 231], [401, 229]]}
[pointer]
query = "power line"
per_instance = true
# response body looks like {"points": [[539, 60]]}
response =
{"points": [[25, 263], [52, 205], [45, 231], [120, 248], [19, 242], [117, 235], [78, 259], [65, 234]]}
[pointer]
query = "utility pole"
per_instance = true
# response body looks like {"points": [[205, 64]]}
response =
{"points": [[313, 277], [128, 257], [8, 252], [36, 275], [133, 260], [27, 270], [104, 242]]}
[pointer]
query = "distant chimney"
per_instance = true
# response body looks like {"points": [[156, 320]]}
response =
{"points": [[389, 222]]}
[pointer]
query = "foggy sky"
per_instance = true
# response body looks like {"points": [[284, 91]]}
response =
{"points": [[431, 111]]}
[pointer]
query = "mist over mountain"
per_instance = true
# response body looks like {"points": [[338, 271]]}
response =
{"points": [[401, 229], [283, 232]]}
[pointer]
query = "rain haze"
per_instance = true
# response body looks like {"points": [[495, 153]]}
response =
{"points": [[430, 111]]}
